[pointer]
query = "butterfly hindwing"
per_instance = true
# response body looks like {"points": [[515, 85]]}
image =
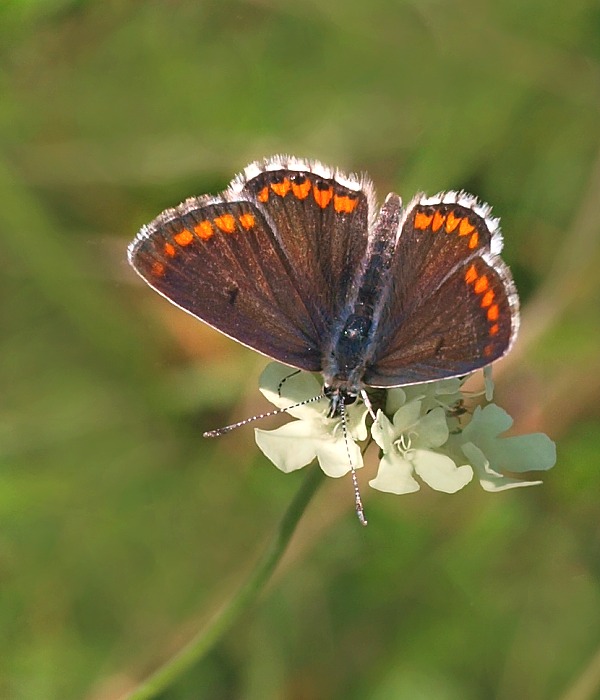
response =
{"points": [[452, 307]]}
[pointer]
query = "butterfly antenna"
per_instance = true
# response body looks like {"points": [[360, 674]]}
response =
{"points": [[228, 428], [360, 511]]}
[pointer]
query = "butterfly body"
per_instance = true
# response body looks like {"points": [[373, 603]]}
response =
{"points": [[355, 333], [295, 261]]}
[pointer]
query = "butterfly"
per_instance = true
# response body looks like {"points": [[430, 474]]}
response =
{"points": [[295, 260]]}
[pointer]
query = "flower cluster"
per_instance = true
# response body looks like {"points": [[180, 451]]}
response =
{"points": [[423, 431]]}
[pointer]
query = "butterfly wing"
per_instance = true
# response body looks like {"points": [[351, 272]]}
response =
{"points": [[320, 218], [258, 263], [452, 306]]}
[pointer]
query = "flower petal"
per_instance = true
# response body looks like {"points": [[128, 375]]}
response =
{"points": [[406, 417], [395, 398], [357, 421], [285, 386], [432, 429], [489, 421], [395, 475], [489, 479], [514, 454], [523, 453], [333, 456], [440, 472], [383, 432], [445, 393], [292, 446]]}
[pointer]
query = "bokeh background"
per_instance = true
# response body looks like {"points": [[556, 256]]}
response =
{"points": [[121, 528]]}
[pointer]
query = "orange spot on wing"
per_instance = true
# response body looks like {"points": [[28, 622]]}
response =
{"points": [[481, 285], [344, 204], [226, 223], [466, 227], [322, 197], [263, 195], [494, 329], [493, 312], [422, 220], [247, 221], [169, 250], [184, 237], [474, 240], [204, 230], [301, 190], [281, 188], [438, 220], [488, 350], [157, 269], [452, 222], [488, 298], [471, 275]]}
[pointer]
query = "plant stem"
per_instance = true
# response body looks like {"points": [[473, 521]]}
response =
{"points": [[243, 599]]}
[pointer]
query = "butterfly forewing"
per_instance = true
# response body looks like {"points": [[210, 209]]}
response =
{"points": [[269, 261], [321, 224], [222, 263]]}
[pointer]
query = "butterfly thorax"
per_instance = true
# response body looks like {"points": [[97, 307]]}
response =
{"points": [[346, 362], [350, 353]]}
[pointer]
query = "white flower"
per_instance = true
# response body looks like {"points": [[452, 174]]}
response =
{"points": [[492, 457], [430, 437], [314, 435], [445, 393], [408, 449]]}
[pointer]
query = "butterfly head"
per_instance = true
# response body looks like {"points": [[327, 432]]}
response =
{"points": [[338, 397]]}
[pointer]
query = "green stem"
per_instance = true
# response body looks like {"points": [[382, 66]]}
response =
{"points": [[241, 601]]}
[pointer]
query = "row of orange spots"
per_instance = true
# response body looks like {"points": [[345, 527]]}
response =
{"points": [[481, 287], [343, 204], [437, 220], [204, 230], [226, 223]]}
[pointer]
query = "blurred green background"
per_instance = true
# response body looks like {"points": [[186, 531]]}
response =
{"points": [[121, 528]]}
